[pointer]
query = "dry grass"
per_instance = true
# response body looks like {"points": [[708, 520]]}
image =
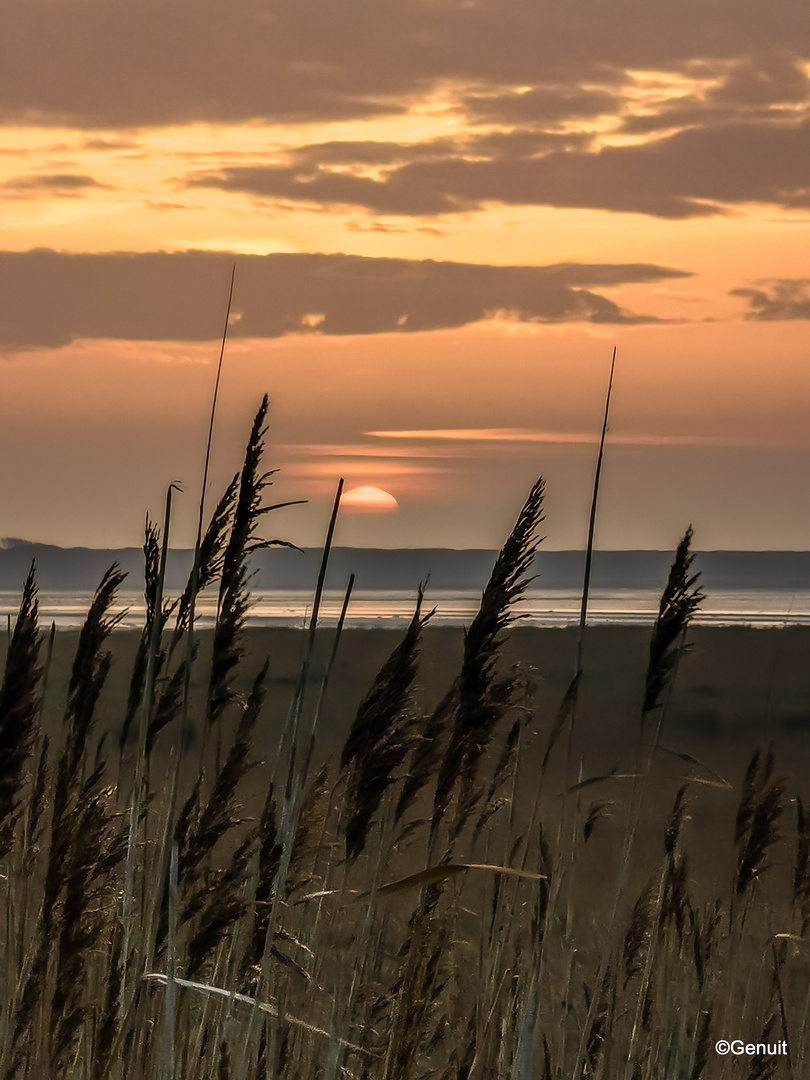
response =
{"points": [[440, 900]]}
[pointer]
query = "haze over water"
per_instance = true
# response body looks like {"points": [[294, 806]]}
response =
{"points": [[393, 608]]}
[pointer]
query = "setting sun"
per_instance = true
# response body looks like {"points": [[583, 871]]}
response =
{"points": [[368, 499]]}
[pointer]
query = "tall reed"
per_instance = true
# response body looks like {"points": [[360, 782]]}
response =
{"points": [[395, 912], [19, 711]]}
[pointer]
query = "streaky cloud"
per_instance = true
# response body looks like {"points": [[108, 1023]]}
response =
{"points": [[48, 185]]}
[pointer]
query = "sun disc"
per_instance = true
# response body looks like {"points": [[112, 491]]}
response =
{"points": [[367, 499]]}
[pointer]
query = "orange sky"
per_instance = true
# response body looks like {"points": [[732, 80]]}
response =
{"points": [[443, 217]]}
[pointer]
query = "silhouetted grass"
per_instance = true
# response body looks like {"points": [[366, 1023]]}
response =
{"points": [[411, 906]]}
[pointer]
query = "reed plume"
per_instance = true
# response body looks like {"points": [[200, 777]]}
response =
{"points": [[87, 840], [311, 818], [679, 602], [212, 554], [601, 1007], [201, 826], [270, 851], [95, 848], [378, 738], [19, 710], [763, 1065], [416, 992], [151, 554], [801, 874], [110, 1021], [676, 905], [38, 805], [429, 738], [225, 904], [506, 764], [756, 827], [599, 808], [90, 668], [484, 695], [643, 926], [89, 673], [702, 1044], [82, 840], [234, 598], [706, 930]]}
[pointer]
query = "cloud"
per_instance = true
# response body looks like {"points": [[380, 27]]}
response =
{"points": [[727, 87], [695, 112], [767, 88], [109, 143], [101, 65], [787, 298], [696, 172], [369, 152], [351, 469], [53, 298], [527, 436], [39, 185], [365, 450], [765, 79], [334, 188], [539, 105], [157, 204]]}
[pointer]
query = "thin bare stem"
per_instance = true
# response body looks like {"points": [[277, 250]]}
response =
{"points": [[195, 570], [146, 707], [298, 700], [586, 584]]}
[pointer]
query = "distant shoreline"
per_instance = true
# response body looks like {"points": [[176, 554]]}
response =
{"points": [[80, 569]]}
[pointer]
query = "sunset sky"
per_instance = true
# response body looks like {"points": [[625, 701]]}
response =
{"points": [[444, 214]]}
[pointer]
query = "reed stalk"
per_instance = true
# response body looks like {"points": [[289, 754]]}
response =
{"points": [[155, 620], [195, 567]]}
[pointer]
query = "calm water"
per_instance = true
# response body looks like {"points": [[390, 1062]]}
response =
{"points": [[550, 607]]}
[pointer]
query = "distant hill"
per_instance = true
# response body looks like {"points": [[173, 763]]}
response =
{"points": [[79, 569]]}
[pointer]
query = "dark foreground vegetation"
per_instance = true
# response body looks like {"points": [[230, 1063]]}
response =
{"points": [[200, 883]]}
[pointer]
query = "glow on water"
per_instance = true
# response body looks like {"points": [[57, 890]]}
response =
{"points": [[390, 608]]}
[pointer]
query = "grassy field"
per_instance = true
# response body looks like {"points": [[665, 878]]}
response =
{"points": [[425, 854]]}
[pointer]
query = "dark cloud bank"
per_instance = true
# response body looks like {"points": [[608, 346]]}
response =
{"points": [[130, 63], [534, 70], [52, 298]]}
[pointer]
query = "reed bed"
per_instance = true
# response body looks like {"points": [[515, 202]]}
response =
{"points": [[448, 897]]}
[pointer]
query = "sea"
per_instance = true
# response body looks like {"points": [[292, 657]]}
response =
{"points": [[751, 588], [394, 608]]}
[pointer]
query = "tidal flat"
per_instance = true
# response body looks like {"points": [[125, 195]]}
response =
{"points": [[736, 688]]}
